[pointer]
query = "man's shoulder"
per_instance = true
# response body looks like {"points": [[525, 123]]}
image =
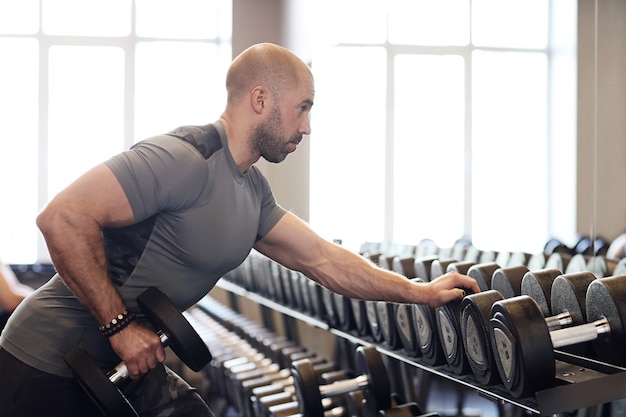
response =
{"points": [[205, 139]]}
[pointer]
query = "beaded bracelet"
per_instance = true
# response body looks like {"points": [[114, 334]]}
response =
{"points": [[118, 324]]}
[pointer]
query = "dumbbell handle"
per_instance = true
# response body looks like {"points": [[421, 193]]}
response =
{"points": [[559, 321], [579, 334], [120, 372], [345, 386]]}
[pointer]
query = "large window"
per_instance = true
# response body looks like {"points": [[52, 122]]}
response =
{"points": [[437, 119], [82, 80]]}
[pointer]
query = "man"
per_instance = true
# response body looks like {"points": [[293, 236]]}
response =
{"points": [[177, 211]]}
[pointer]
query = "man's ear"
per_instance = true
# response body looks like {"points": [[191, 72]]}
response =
{"points": [[258, 96]]}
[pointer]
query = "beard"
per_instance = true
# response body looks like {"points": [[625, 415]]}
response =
{"points": [[266, 139]]}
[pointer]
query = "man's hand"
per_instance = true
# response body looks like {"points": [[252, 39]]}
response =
{"points": [[449, 287], [139, 347]]}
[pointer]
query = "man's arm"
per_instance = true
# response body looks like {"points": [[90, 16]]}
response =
{"points": [[294, 244], [71, 225], [12, 292]]}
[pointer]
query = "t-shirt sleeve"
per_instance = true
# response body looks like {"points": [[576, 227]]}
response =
{"points": [[160, 174], [271, 212]]}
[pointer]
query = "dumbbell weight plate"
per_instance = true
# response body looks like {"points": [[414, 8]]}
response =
{"points": [[97, 385], [343, 307], [329, 306], [373, 321], [449, 332], [523, 349], [508, 281], [359, 315], [423, 265], [518, 259], [388, 326], [620, 268], [296, 288], [440, 266], [377, 395], [475, 315], [182, 337], [577, 263], [426, 334], [605, 299], [406, 327], [307, 388], [317, 304], [537, 261], [558, 261], [483, 273], [538, 285]]}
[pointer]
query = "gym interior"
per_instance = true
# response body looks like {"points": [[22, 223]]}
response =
{"points": [[546, 334]]}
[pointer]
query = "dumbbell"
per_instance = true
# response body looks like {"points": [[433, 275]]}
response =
{"points": [[475, 314], [423, 317], [568, 306], [264, 398], [393, 317], [525, 347], [447, 344], [447, 319], [407, 329], [173, 330], [359, 315], [372, 379]]}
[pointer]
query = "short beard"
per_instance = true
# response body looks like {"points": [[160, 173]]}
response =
{"points": [[266, 138]]}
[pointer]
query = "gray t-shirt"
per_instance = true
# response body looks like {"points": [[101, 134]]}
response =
{"points": [[197, 217]]}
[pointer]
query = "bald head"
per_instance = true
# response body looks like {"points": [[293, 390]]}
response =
{"points": [[265, 64]]}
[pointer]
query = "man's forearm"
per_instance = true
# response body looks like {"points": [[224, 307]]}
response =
{"points": [[77, 251]]}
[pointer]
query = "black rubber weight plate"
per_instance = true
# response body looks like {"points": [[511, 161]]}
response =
{"points": [[522, 343], [96, 384], [476, 311], [605, 299], [425, 332], [370, 363], [307, 388], [182, 337]]}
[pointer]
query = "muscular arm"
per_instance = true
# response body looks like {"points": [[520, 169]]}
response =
{"points": [[292, 243], [71, 225]]}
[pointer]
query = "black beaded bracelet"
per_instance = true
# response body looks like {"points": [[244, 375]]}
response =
{"points": [[118, 324]]}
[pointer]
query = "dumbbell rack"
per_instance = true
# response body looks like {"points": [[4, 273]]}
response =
{"points": [[599, 382]]}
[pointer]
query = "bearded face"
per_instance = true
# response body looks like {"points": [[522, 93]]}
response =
{"points": [[268, 141]]}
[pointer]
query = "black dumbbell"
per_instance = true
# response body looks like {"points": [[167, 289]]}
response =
{"points": [[525, 346], [407, 328], [568, 305], [372, 379], [423, 317], [282, 391], [476, 308], [447, 318], [359, 315], [393, 317], [174, 331]]}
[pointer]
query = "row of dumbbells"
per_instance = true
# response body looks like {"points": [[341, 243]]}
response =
{"points": [[265, 375], [291, 288], [434, 336], [475, 336]]}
